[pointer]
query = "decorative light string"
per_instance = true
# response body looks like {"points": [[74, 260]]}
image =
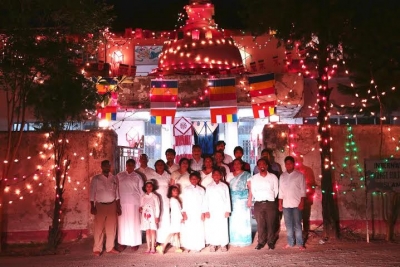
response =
{"points": [[19, 188]]}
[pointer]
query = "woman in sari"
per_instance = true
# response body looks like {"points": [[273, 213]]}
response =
{"points": [[180, 177], [239, 222]]}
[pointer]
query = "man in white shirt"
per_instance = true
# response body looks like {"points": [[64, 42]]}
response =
{"points": [[105, 206], [220, 146], [196, 162], [264, 188], [145, 171], [130, 192], [170, 156], [292, 193]]}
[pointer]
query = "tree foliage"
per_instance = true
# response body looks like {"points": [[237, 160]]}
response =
{"points": [[372, 54], [318, 27], [39, 41]]}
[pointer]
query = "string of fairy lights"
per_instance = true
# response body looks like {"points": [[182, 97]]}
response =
{"points": [[351, 168], [19, 186], [43, 171]]}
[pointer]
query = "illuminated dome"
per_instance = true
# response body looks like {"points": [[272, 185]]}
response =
{"points": [[199, 47]]}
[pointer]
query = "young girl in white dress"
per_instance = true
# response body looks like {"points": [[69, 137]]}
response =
{"points": [[150, 209], [192, 234], [176, 220]]}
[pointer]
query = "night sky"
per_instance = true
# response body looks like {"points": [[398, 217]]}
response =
{"points": [[163, 14]]}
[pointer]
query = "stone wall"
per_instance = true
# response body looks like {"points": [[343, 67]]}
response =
{"points": [[28, 214], [28, 219], [354, 204]]}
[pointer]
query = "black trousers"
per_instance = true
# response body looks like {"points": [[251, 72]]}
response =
{"points": [[265, 214]]}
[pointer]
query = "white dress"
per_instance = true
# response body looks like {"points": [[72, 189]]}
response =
{"points": [[192, 234], [217, 202], [176, 216], [162, 191], [181, 179], [130, 191], [227, 170], [150, 204], [206, 179]]}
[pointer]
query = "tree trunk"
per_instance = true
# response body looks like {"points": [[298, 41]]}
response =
{"points": [[55, 235], [3, 208], [2, 215], [390, 207], [330, 214]]}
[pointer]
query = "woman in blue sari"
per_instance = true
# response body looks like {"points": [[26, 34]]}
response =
{"points": [[239, 221]]}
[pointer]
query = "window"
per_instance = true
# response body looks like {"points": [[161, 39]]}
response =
{"points": [[333, 121], [29, 126], [347, 121], [310, 121], [244, 140], [152, 142], [366, 120]]}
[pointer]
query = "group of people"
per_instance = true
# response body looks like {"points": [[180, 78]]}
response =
{"points": [[205, 200]]}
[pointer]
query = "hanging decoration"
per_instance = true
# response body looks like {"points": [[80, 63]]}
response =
{"points": [[163, 101], [263, 96], [183, 134], [223, 100], [107, 88], [107, 113], [206, 135]]}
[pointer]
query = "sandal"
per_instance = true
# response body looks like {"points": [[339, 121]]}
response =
{"points": [[302, 247], [160, 249], [287, 246]]}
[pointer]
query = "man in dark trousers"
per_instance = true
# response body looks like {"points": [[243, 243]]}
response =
{"points": [[263, 186]]}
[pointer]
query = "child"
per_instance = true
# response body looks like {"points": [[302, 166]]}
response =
{"points": [[176, 220], [192, 202], [150, 209], [217, 208]]}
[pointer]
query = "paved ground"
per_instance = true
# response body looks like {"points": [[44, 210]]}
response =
{"points": [[338, 253]]}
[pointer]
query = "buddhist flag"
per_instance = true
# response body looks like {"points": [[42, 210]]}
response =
{"points": [[107, 113], [163, 100], [223, 100], [263, 96], [104, 85]]}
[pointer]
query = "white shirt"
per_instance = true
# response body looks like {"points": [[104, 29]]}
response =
{"points": [[196, 165], [264, 187], [173, 167], [130, 187], [147, 172], [103, 189], [292, 187], [227, 159]]}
